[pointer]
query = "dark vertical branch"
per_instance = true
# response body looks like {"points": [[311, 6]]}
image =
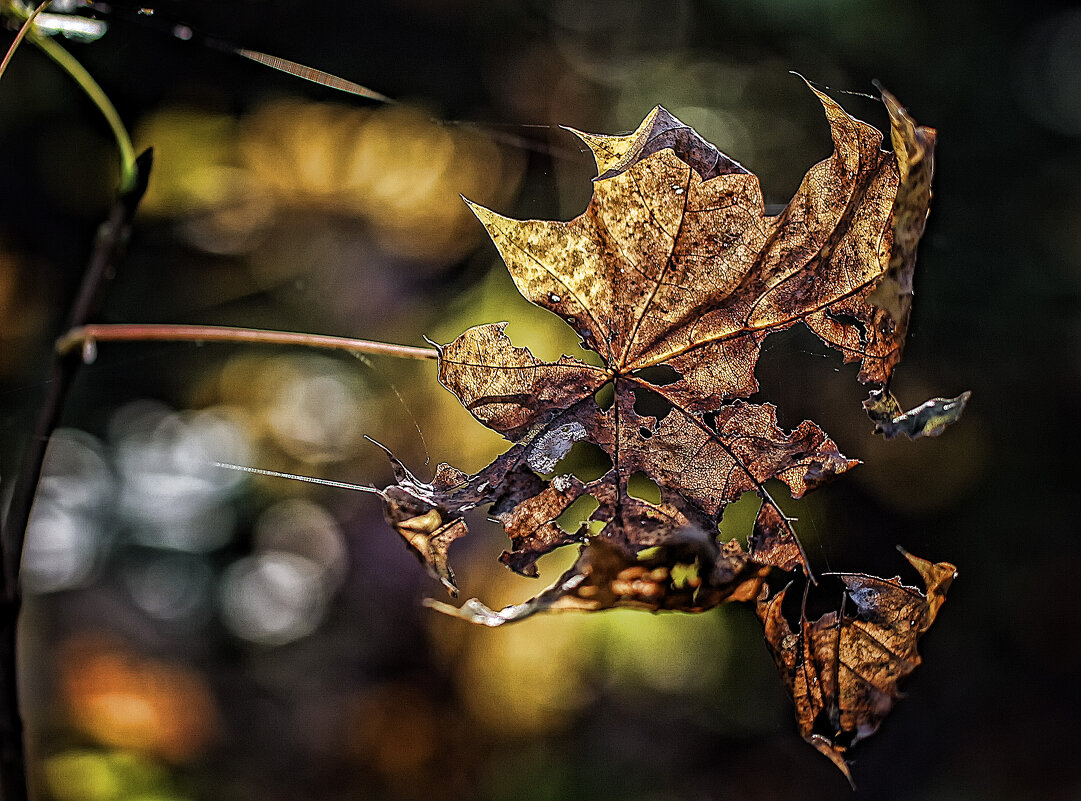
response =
{"points": [[112, 237]]}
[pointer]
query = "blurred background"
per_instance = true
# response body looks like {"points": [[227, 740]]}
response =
{"points": [[192, 633]]}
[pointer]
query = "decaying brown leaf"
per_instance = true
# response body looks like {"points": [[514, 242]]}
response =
{"points": [[690, 573], [929, 419], [843, 669], [675, 275]]}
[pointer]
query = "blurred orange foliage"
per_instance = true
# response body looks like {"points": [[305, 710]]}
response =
{"points": [[124, 700]]}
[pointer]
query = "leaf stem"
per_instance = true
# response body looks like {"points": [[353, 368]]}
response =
{"points": [[90, 87], [86, 336]]}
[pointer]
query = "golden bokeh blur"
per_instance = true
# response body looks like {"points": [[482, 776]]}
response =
{"points": [[527, 679], [306, 411], [393, 168]]}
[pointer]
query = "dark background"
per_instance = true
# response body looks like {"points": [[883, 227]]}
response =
{"points": [[193, 634]]}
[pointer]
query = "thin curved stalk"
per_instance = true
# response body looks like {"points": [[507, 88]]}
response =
{"points": [[86, 337], [24, 29], [67, 62]]}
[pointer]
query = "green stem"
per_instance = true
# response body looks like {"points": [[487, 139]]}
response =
{"points": [[78, 73], [24, 29]]}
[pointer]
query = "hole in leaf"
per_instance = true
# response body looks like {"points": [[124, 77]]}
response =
{"points": [[644, 488], [848, 319], [798, 373], [737, 518], [585, 460], [659, 375], [589, 356], [572, 518], [827, 596], [646, 554], [683, 573], [605, 396], [648, 403], [645, 432]]}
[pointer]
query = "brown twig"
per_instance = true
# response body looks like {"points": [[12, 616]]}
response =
{"points": [[82, 337], [112, 237]]}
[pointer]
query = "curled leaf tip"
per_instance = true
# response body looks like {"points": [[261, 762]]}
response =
{"points": [[899, 115], [476, 612], [835, 754]]}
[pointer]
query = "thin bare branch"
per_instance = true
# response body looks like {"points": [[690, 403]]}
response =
{"points": [[112, 237], [85, 337]]}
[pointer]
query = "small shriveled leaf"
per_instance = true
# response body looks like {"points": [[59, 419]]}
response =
{"points": [[427, 526], [914, 146], [929, 419], [843, 669]]}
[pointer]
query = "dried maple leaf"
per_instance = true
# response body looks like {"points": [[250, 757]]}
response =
{"points": [[675, 266], [675, 275]]}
